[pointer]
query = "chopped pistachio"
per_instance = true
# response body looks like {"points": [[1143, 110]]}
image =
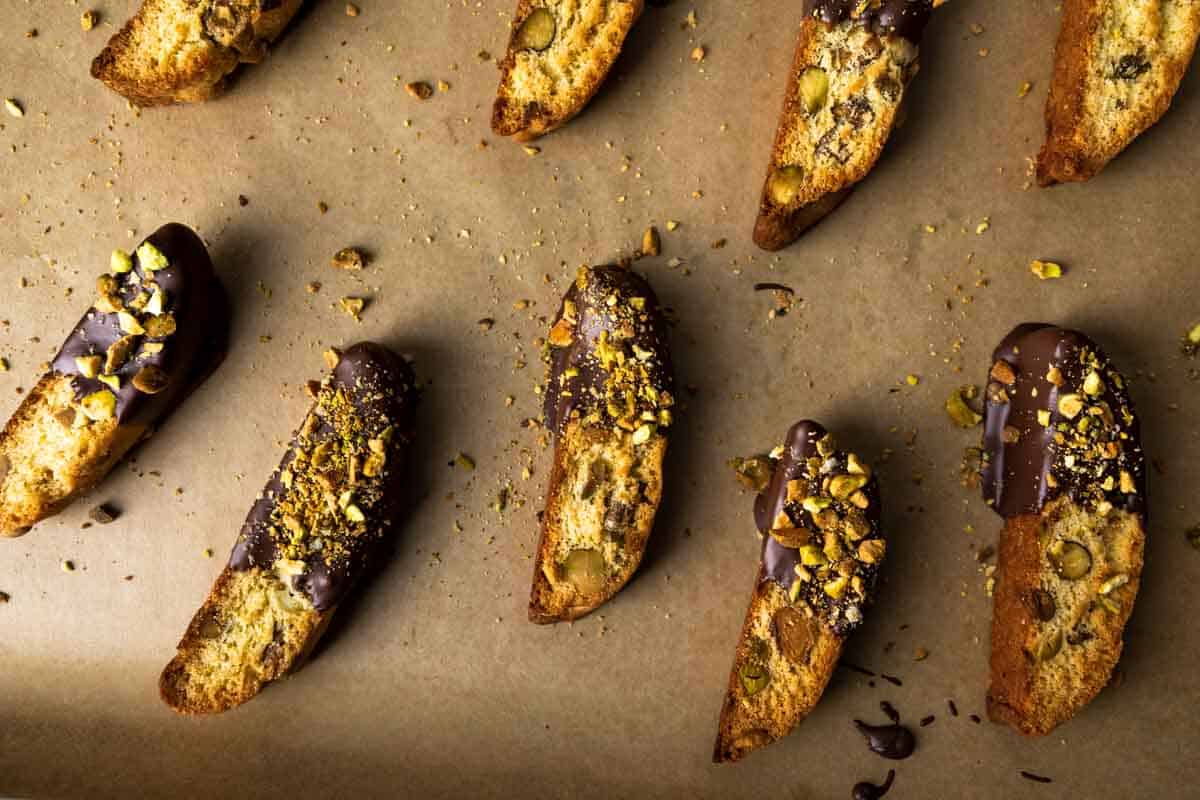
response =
{"points": [[960, 413], [354, 513], [99, 405], [151, 258], [113, 381], [120, 262], [1046, 270], [88, 366], [160, 325], [129, 323]]}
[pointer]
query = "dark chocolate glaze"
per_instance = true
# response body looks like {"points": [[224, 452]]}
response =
{"points": [[584, 394], [890, 741], [864, 790], [196, 300], [906, 18], [381, 388], [779, 561], [1015, 474]]}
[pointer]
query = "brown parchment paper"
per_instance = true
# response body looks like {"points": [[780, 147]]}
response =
{"points": [[434, 684]]}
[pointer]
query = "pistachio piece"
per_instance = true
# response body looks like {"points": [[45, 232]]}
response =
{"points": [[1071, 560], [1043, 605], [812, 556], [814, 89], [837, 587], [794, 634], [785, 184], [814, 504], [872, 551], [1003, 372], [118, 353], [373, 465], [753, 473], [1092, 384], [348, 258], [151, 258], [1049, 646], [651, 242], [160, 326], [1069, 405], [537, 31], [112, 381], [88, 366], [960, 413], [120, 262], [644, 432], [856, 467], [584, 569], [106, 285], [129, 323], [833, 546], [792, 537], [99, 405], [156, 302], [150, 380], [109, 304], [754, 677], [856, 526], [355, 514], [842, 486]]}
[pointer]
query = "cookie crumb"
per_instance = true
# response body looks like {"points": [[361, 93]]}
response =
{"points": [[103, 514]]}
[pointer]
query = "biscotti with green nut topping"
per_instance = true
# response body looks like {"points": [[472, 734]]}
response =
{"points": [[1117, 65], [1065, 468], [822, 550], [327, 514], [157, 328], [559, 53], [852, 66], [182, 51], [609, 403]]}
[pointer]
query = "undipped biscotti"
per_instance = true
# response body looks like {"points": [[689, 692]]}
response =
{"points": [[559, 53], [327, 513], [852, 66], [609, 401], [821, 554], [181, 51], [157, 327], [1117, 65], [1065, 468]]}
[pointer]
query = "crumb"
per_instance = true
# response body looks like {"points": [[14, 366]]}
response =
{"points": [[103, 514], [698, 53], [351, 10], [1046, 270], [243, 201], [353, 306], [419, 89], [88, 19], [349, 258]]}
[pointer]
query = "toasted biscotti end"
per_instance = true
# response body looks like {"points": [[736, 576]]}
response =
{"points": [[155, 330], [559, 53], [822, 549], [846, 83], [181, 51], [1117, 65], [1065, 588], [605, 493], [251, 630], [326, 514], [780, 669], [609, 403], [1065, 468]]}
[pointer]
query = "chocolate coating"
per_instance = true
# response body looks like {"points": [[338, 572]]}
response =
{"points": [[779, 561], [906, 18], [195, 299], [603, 299], [380, 392], [1027, 464]]}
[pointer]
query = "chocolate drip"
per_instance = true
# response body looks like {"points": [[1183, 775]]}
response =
{"points": [[1029, 463], [193, 296], [863, 790], [890, 741], [779, 561], [584, 394], [380, 388], [906, 18]]}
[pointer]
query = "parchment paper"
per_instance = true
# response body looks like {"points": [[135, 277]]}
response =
{"points": [[435, 685]]}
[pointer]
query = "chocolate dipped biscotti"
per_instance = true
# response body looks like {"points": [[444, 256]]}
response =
{"points": [[327, 512], [1065, 468], [821, 554], [608, 402], [1117, 66], [559, 53], [157, 327], [852, 66], [182, 51]]}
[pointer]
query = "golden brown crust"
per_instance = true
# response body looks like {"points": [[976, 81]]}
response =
{"points": [[835, 133], [526, 109], [749, 722], [1082, 132], [253, 616], [202, 57], [554, 596], [1052, 658], [50, 455]]}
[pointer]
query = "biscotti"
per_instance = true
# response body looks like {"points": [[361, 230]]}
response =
{"points": [[559, 53], [821, 554], [1065, 468], [1117, 65], [156, 329], [327, 513], [181, 51], [852, 66], [608, 402]]}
